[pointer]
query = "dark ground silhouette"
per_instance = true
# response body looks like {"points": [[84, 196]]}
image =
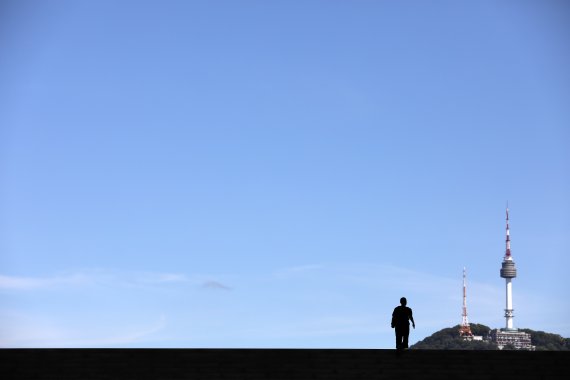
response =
{"points": [[278, 364]]}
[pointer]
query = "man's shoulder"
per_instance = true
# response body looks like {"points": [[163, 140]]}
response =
{"points": [[402, 310]]}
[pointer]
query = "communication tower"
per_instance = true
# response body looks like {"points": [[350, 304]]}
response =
{"points": [[510, 336], [508, 272], [465, 329]]}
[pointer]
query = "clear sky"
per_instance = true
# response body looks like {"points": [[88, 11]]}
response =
{"points": [[279, 173]]}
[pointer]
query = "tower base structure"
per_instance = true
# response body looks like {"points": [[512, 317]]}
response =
{"points": [[472, 337], [520, 340]]}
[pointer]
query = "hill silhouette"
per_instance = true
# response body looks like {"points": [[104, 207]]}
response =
{"points": [[449, 339]]}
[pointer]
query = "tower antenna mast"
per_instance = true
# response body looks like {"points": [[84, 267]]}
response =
{"points": [[465, 329]]}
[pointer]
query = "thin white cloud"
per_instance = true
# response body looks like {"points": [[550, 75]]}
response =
{"points": [[215, 285], [92, 277], [172, 277], [33, 283], [149, 278], [298, 270]]}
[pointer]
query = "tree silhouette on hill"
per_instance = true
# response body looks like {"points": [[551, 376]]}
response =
{"points": [[449, 339]]}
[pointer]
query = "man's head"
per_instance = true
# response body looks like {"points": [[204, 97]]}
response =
{"points": [[403, 301]]}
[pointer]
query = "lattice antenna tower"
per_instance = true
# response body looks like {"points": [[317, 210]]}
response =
{"points": [[465, 329]]}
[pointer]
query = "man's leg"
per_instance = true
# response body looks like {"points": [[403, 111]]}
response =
{"points": [[405, 335], [398, 338]]}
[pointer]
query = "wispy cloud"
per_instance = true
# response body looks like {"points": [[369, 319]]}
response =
{"points": [[215, 285], [105, 278], [32, 283], [150, 278], [298, 270]]}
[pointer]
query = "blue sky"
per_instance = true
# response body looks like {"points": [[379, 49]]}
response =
{"points": [[279, 173]]}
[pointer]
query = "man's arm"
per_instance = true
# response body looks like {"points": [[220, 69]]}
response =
{"points": [[412, 319]]}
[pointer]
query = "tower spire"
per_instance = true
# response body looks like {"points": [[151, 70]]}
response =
{"points": [[508, 239], [465, 329]]}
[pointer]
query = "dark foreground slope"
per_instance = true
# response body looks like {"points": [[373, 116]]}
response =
{"points": [[253, 364]]}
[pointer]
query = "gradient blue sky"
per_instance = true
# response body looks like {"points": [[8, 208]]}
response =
{"points": [[279, 173]]}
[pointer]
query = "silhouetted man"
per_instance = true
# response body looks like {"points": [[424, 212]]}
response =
{"points": [[400, 320]]}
